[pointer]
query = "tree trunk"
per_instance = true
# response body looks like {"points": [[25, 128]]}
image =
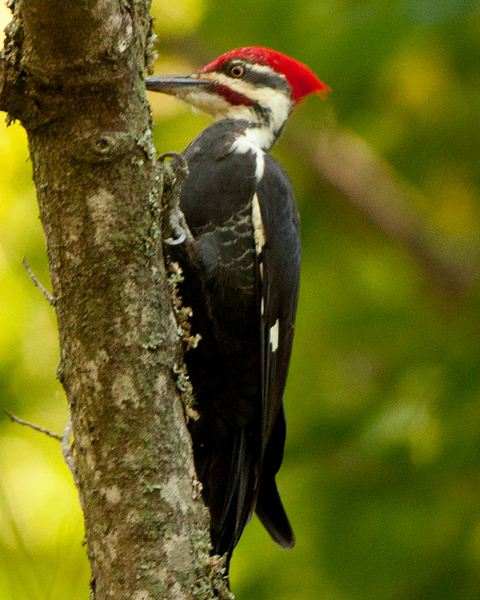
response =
{"points": [[72, 72]]}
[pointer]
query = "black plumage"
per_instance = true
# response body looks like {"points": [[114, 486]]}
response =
{"points": [[241, 295]]}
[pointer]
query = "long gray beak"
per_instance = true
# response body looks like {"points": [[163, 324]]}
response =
{"points": [[174, 84]]}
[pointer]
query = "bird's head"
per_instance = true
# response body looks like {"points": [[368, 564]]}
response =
{"points": [[253, 83]]}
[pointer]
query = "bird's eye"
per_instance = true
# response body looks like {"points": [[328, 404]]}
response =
{"points": [[237, 71]]}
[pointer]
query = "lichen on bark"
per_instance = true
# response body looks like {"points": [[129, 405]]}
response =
{"points": [[72, 73]]}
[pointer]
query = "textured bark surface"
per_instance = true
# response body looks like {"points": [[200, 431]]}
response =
{"points": [[72, 72]]}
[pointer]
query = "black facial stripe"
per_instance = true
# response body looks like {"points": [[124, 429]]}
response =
{"points": [[265, 79], [263, 112], [257, 78]]}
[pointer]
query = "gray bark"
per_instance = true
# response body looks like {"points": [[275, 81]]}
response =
{"points": [[72, 73]]}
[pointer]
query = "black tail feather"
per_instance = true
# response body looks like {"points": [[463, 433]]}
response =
{"points": [[271, 513]]}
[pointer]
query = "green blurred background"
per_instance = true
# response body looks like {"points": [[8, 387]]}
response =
{"points": [[382, 470]]}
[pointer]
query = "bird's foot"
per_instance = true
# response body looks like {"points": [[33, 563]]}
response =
{"points": [[176, 171], [181, 233]]}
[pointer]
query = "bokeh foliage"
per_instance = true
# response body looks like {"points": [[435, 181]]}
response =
{"points": [[382, 471]]}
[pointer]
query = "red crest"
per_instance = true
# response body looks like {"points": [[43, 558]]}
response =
{"points": [[302, 80]]}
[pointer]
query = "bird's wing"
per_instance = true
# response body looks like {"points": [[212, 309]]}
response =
{"points": [[277, 245], [225, 368], [237, 455]]}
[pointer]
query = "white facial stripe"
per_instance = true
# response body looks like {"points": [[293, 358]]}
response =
{"points": [[265, 69], [214, 105], [278, 105], [274, 335], [237, 85]]}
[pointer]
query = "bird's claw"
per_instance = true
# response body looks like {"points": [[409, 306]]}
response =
{"points": [[177, 239], [176, 219], [180, 230]]}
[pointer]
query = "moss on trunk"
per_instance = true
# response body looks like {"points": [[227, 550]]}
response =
{"points": [[73, 74]]}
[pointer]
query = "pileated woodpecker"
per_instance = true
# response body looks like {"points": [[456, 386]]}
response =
{"points": [[241, 272]]}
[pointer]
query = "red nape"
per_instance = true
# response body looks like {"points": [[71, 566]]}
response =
{"points": [[302, 80]]}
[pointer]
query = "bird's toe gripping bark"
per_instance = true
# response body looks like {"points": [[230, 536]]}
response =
{"points": [[176, 172]]}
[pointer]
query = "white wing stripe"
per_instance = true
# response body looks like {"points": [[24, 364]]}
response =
{"points": [[274, 334], [258, 228]]}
